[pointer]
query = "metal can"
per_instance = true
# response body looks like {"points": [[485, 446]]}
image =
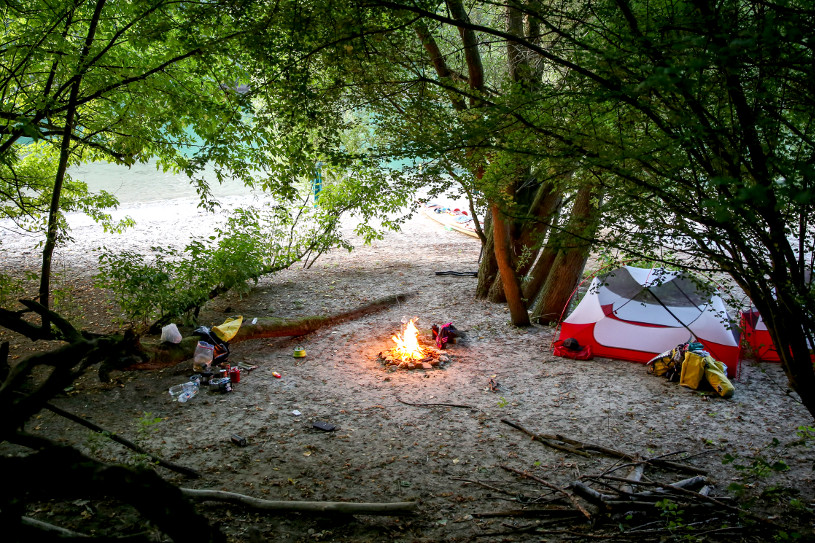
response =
{"points": [[220, 385]]}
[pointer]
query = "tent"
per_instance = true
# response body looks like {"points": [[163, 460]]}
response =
{"points": [[635, 314], [758, 337]]}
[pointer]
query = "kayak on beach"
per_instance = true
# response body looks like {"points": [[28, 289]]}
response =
{"points": [[451, 218]]}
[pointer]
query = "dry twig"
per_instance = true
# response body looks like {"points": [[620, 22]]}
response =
{"points": [[547, 484]]}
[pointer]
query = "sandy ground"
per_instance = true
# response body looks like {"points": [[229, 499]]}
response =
{"points": [[449, 459]]}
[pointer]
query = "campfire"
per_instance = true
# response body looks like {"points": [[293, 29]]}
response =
{"points": [[407, 346], [408, 352]]}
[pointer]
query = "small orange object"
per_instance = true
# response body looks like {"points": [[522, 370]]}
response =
{"points": [[276, 375]]}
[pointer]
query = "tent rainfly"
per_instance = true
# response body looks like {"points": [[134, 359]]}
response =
{"points": [[635, 314], [758, 337]]}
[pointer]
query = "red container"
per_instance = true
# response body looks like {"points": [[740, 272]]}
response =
{"points": [[235, 374]]}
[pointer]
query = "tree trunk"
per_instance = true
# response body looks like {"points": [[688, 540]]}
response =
{"points": [[571, 258], [496, 294], [510, 281], [540, 271], [542, 212], [559, 286], [488, 269], [64, 154], [475, 67]]}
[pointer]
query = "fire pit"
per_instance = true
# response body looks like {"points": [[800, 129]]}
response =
{"points": [[409, 352]]}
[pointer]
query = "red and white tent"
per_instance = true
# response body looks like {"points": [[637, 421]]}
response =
{"points": [[757, 336], [635, 314]]}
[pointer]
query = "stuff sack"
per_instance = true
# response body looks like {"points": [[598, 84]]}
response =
{"points": [[693, 370], [660, 364], [229, 329], [170, 334], [444, 334], [220, 348], [570, 348], [716, 375]]}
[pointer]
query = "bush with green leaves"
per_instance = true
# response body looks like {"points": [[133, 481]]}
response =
{"points": [[26, 185], [172, 283]]}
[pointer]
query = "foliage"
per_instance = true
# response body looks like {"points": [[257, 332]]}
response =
{"points": [[26, 186], [759, 467], [173, 282], [672, 514], [695, 118], [10, 289], [193, 87]]}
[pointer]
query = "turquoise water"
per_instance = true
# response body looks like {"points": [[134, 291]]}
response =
{"points": [[146, 183]]}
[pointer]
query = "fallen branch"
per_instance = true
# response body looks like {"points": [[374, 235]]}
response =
{"points": [[45, 528], [579, 447], [546, 440], [514, 497], [162, 354], [684, 483], [122, 441], [561, 513], [587, 492], [464, 406], [656, 460], [556, 488], [346, 508], [633, 479]]}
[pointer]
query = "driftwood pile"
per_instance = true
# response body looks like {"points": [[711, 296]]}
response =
{"points": [[635, 498]]}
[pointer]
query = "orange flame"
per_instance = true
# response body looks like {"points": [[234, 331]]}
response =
{"points": [[407, 347]]}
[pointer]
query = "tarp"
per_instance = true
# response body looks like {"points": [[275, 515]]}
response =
{"points": [[635, 313]]}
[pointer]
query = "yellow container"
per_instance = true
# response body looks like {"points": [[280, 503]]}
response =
{"points": [[693, 370]]}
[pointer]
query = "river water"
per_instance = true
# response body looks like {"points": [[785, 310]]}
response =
{"points": [[146, 183]]}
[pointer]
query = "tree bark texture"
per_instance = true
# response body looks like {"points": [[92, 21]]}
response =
{"points": [[510, 281], [488, 268], [542, 212], [496, 294], [62, 167], [570, 259], [540, 272]]}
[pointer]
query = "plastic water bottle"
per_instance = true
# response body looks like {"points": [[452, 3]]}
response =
{"points": [[188, 390], [186, 395]]}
